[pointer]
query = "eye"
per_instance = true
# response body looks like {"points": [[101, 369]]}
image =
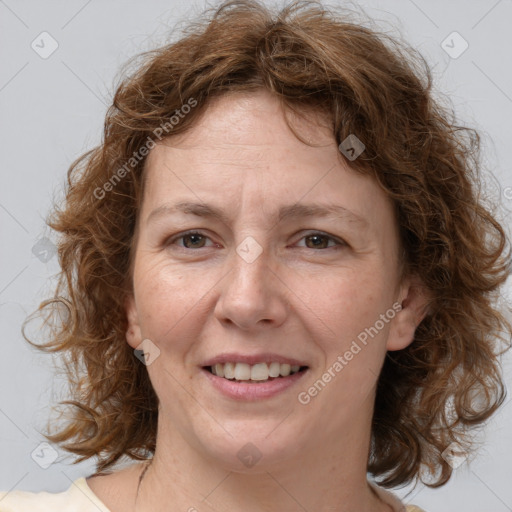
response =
{"points": [[318, 240], [314, 240], [191, 240]]}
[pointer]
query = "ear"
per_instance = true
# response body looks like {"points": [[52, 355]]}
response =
{"points": [[414, 299], [133, 331]]}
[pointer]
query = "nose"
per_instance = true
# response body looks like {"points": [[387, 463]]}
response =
{"points": [[252, 295]]}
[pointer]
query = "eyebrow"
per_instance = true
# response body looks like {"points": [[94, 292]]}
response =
{"points": [[286, 212]]}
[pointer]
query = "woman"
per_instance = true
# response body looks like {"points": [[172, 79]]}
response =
{"points": [[279, 277]]}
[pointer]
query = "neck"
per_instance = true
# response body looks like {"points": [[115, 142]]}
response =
{"points": [[328, 475]]}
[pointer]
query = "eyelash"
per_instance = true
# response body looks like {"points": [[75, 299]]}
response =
{"points": [[339, 242]]}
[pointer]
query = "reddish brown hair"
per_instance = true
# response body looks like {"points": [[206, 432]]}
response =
{"points": [[365, 83]]}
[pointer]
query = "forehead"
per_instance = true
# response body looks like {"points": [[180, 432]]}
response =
{"points": [[241, 153], [242, 137], [243, 115]]}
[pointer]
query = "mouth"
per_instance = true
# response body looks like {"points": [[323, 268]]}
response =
{"points": [[253, 377], [255, 373]]}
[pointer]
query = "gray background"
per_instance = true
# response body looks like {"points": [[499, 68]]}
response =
{"points": [[52, 110]]}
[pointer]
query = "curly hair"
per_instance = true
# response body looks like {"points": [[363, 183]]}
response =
{"points": [[430, 394]]}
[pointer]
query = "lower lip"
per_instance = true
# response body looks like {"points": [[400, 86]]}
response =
{"points": [[240, 390]]}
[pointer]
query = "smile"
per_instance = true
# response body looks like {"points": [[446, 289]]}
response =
{"points": [[259, 372], [250, 381]]}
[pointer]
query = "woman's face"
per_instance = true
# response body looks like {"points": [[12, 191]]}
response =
{"points": [[294, 264]]}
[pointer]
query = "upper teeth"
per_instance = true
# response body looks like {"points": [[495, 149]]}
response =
{"points": [[259, 371]]}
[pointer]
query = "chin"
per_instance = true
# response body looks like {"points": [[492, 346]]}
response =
{"points": [[255, 447]]}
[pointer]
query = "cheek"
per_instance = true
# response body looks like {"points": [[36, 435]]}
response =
{"points": [[346, 304], [354, 350], [168, 301], [352, 337]]}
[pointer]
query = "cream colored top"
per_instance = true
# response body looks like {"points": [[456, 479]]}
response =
{"points": [[80, 498]]}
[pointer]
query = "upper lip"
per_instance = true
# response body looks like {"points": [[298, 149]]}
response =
{"points": [[266, 357]]}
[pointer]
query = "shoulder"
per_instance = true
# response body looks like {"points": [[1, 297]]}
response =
{"points": [[117, 490], [101, 493], [392, 500], [78, 498]]}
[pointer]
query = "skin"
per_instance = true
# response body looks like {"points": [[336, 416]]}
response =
{"points": [[295, 299]]}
